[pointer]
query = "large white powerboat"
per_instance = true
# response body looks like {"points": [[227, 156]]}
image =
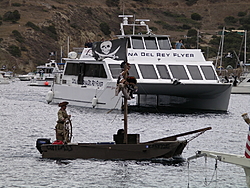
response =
{"points": [[166, 77]]}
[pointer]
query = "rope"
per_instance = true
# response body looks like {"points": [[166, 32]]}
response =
{"points": [[206, 182], [188, 174], [115, 105], [195, 136]]}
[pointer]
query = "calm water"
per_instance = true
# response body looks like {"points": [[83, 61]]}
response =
{"points": [[25, 116]]}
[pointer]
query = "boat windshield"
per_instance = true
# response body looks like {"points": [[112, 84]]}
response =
{"points": [[164, 43], [150, 42], [194, 72], [209, 73]]}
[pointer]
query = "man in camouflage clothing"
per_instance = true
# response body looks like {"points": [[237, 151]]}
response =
{"points": [[62, 117]]}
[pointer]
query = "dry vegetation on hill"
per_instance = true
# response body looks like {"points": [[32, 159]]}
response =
{"points": [[45, 25]]}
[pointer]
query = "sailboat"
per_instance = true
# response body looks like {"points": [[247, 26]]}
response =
{"points": [[240, 160], [123, 147]]}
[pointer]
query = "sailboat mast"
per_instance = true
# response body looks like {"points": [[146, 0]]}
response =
{"points": [[222, 44], [245, 48]]}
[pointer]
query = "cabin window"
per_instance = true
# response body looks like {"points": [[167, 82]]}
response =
{"points": [[72, 69], [115, 70], [49, 71], [178, 72], [137, 43], [148, 71], [95, 70], [163, 71], [195, 72], [209, 72], [133, 71], [91, 70], [150, 43], [164, 43]]}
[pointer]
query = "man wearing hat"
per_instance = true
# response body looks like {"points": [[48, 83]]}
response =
{"points": [[62, 117]]}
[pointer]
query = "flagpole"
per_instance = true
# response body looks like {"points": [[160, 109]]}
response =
{"points": [[61, 55]]}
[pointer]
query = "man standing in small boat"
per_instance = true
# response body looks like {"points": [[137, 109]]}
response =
{"points": [[62, 117]]}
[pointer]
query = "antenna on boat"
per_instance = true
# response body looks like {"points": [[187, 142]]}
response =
{"points": [[123, 7], [142, 23], [125, 22]]}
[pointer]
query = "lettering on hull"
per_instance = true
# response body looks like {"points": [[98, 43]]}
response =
{"points": [[93, 83], [59, 147], [159, 146]]}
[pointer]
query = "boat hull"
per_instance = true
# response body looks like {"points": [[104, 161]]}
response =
{"points": [[143, 151], [210, 97]]}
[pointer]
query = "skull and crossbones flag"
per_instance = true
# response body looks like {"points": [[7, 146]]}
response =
{"points": [[114, 49]]}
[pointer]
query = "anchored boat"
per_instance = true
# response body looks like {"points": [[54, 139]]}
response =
{"points": [[45, 74], [123, 147], [166, 77]]}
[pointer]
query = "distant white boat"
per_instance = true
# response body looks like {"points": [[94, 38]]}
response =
{"points": [[26, 77], [3, 80], [242, 87], [45, 74]]}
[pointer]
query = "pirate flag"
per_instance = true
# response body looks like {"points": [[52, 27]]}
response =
{"points": [[115, 49]]}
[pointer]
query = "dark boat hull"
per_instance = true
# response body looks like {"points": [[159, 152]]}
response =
{"points": [[143, 151]]}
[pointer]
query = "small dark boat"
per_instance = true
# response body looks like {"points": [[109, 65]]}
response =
{"points": [[125, 146]]}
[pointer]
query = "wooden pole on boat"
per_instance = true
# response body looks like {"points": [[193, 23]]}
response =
{"points": [[125, 141], [174, 137], [125, 121]]}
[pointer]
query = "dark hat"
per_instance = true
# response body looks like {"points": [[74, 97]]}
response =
{"points": [[63, 104]]}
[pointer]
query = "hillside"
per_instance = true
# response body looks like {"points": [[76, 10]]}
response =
{"points": [[46, 25]]}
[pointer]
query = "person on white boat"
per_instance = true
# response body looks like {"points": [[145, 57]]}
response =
{"points": [[62, 117], [179, 44]]}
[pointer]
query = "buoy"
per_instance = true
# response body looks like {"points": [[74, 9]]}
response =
{"points": [[49, 97], [94, 102], [46, 83]]}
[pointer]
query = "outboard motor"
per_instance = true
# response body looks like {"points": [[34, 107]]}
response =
{"points": [[40, 142]]}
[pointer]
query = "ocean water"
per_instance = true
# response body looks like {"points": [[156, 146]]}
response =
{"points": [[25, 116]]}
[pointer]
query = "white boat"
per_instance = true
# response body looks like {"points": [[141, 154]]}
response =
{"points": [[242, 87], [26, 77], [45, 74], [240, 160], [3, 80], [166, 77]]}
